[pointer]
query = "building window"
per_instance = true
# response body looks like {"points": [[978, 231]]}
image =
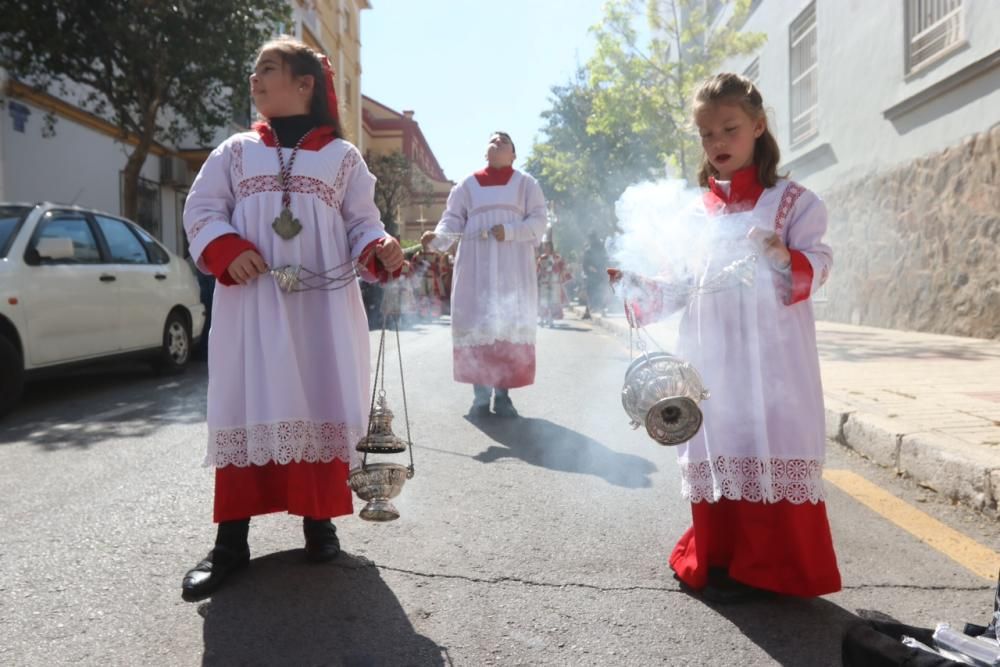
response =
{"points": [[933, 27], [752, 71], [348, 91], [803, 76]]}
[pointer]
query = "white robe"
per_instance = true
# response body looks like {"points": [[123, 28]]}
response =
{"points": [[288, 373], [494, 298], [763, 437]]}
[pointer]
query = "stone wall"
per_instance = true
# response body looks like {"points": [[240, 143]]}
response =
{"points": [[918, 247]]}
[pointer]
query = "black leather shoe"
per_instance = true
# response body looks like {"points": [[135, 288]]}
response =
{"points": [[504, 407], [322, 544], [207, 576], [479, 410], [733, 592]]}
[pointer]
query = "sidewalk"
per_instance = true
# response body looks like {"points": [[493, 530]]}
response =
{"points": [[924, 405]]}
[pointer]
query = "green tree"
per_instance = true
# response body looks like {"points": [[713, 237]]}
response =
{"points": [[623, 118], [645, 78], [584, 169], [158, 70], [399, 184]]}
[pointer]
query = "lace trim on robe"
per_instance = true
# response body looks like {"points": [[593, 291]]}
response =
{"points": [[753, 479], [282, 442]]}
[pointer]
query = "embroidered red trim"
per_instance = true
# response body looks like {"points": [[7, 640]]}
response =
{"points": [[788, 199], [238, 160], [305, 185]]}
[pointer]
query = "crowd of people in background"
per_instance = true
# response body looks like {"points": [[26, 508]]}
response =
{"points": [[563, 281]]}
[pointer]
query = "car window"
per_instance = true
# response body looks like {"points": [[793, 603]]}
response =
{"points": [[10, 219], [124, 245], [74, 227], [157, 255]]}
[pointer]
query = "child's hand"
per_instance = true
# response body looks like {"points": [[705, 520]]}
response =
{"points": [[498, 232], [389, 254], [247, 266], [426, 238], [769, 244]]}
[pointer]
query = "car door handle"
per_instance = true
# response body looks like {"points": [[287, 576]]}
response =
{"points": [[161, 276], [108, 278]]}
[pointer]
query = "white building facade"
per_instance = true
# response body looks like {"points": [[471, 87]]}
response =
{"points": [[891, 111], [51, 149]]}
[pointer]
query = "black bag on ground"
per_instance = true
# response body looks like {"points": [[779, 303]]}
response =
{"points": [[879, 644]]}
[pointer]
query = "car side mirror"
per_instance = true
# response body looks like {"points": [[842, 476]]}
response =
{"points": [[54, 248]]}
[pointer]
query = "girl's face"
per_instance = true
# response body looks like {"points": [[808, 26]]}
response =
{"points": [[499, 152], [275, 91], [727, 136]]}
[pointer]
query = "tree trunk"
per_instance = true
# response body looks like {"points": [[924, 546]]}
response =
{"points": [[133, 166], [130, 182]]}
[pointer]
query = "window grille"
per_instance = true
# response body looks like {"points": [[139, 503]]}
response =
{"points": [[932, 28], [803, 76]]}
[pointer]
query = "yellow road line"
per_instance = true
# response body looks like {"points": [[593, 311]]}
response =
{"points": [[961, 549]]}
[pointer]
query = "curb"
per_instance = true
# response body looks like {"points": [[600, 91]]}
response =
{"points": [[942, 463]]}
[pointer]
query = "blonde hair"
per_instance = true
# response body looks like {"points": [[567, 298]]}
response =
{"points": [[733, 88]]}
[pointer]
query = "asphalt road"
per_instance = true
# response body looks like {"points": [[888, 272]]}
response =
{"points": [[535, 541]]}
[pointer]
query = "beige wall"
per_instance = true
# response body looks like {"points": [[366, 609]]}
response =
{"points": [[387, 130], [334, 27], [917, 247]]}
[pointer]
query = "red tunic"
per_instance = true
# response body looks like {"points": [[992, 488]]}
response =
{"points": [[782, 547]]}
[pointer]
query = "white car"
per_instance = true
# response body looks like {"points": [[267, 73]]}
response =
{"points": [[78, 285]]}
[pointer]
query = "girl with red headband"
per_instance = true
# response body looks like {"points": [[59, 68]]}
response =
{"points": [[288, 371]]}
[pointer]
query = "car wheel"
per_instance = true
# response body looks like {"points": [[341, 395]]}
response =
{"points": [[11, 375], [176, 350]]}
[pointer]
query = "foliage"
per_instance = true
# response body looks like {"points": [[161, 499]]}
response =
{"points": [[623, 117], [160, 71], [399, 184]]}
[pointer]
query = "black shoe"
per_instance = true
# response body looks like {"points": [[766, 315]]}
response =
{"points": [[503, 407], [479, 410], [733, 592], [207, 576], [322, 544]]}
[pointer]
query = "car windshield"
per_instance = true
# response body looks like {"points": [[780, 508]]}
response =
{"points": [[10, 220]]}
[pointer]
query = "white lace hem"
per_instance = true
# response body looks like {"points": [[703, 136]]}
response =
{"points": [[753, 479], [282, 442], [480, 337]]}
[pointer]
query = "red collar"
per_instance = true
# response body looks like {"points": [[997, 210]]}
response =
{"points": [[494, 176], [744, 191], [320, 137]]}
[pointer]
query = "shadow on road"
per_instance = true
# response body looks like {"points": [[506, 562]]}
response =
{"points": [[568, 327], [98, 404], [793, 631], [284, 611], [542, 443]]}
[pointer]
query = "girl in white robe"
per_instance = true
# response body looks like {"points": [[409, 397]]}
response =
{"points": [[288, 372], [753, 473]]}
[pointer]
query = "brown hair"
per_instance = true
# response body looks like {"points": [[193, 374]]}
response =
{"points": [[304, 61], [507, 137], [733, 88]]}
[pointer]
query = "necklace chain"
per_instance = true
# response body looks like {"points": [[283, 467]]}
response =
{"points": [[285, 174]]}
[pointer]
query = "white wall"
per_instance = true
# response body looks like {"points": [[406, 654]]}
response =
{"points": [[861, 55], [78, 165]]}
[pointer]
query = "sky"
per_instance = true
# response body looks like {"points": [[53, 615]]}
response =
{"points": [[469, 67]]}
